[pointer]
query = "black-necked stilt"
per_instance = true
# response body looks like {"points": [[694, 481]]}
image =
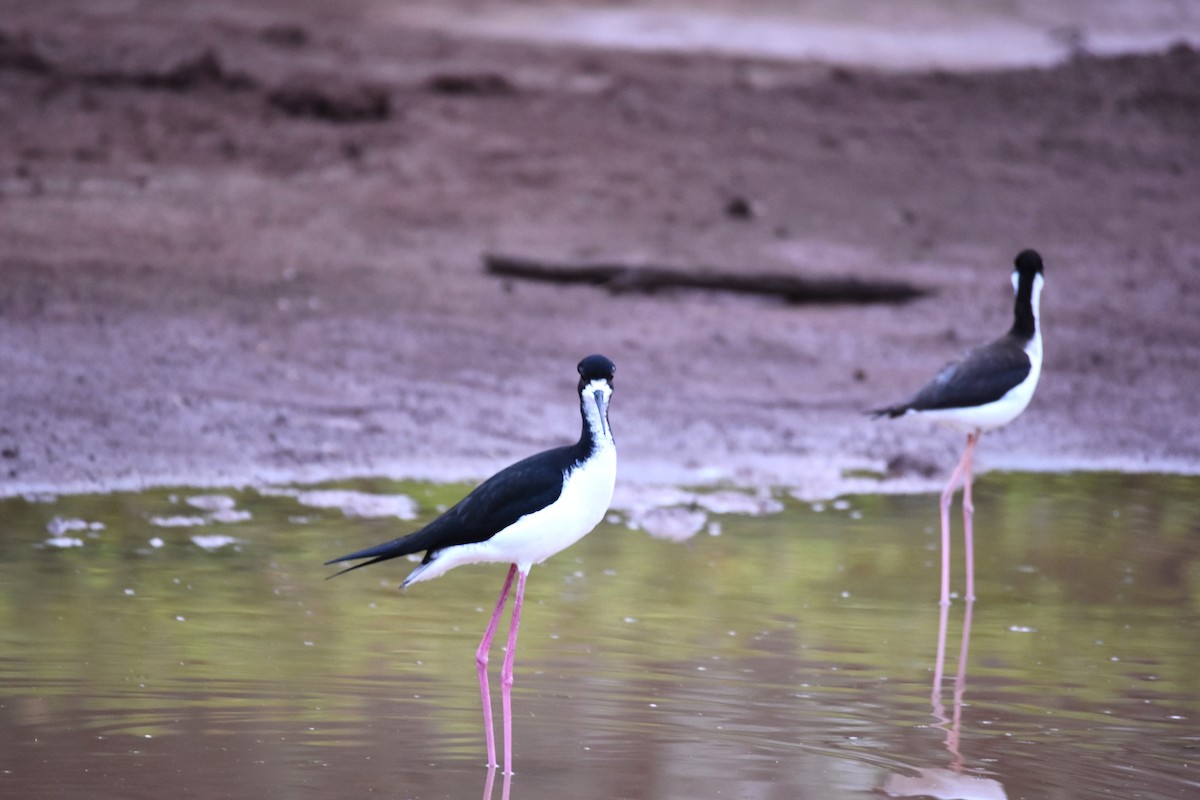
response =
{"points": [[983, 389], [522, 515]]}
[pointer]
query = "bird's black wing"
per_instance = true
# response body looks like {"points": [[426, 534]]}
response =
{"points": [[978, 377], [513, 492], [982, 376]]}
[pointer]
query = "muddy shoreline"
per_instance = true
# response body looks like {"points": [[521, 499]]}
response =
{"points": [[243, 244]]}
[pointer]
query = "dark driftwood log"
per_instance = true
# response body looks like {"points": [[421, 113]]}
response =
{"points": [[619, 278]]}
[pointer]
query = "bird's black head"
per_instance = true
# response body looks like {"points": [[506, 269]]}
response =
{"points": [[1028, 263], [595, 388], [595, 367], [1027, 283]]}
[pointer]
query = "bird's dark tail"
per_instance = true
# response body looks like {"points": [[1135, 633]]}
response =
{"points": [[380, 552], [889, 411]]}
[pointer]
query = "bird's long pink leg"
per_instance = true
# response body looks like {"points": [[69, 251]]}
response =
{"points": [[506, 673], [969, 515], [481, 664], [947, 498]]}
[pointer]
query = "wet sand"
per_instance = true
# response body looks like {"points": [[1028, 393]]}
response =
{"points": [[242, 243]]}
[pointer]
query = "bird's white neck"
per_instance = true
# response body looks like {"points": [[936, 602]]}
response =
{"points": [[593, 399]]}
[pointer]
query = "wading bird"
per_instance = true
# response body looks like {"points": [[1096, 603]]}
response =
{"points": [[983, 389], [521, 516]]}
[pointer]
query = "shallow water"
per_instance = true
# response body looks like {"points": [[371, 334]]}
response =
{"points": [[790, 656]]}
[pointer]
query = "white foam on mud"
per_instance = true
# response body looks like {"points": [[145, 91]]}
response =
{"points": [[673, 524], [212, 502], [214, 541], [730, 502], [360, 504], [221, 508], [230, 515], [675, 514], [61, 525], [63, 542], [178, 521]]}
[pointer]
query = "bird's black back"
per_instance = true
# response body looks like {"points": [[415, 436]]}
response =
{"points": [[522, 488], [501, 500], [980, 376]]}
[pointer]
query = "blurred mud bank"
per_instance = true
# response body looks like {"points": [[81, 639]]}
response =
{"points": [[242, 242]]}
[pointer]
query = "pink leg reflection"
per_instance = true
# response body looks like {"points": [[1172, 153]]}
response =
{"points": [[937, 781], [481, 664], [939, 670], [953, 723], [960, 687]]}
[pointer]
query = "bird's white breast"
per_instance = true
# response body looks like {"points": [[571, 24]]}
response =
{"points": [[586, 495]]}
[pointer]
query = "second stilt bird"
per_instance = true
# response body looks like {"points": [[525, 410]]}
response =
{"points": [[521, 516], [983, 389]]}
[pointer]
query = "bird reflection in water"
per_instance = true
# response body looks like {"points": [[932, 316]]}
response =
{"points": [[952, 783]]}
